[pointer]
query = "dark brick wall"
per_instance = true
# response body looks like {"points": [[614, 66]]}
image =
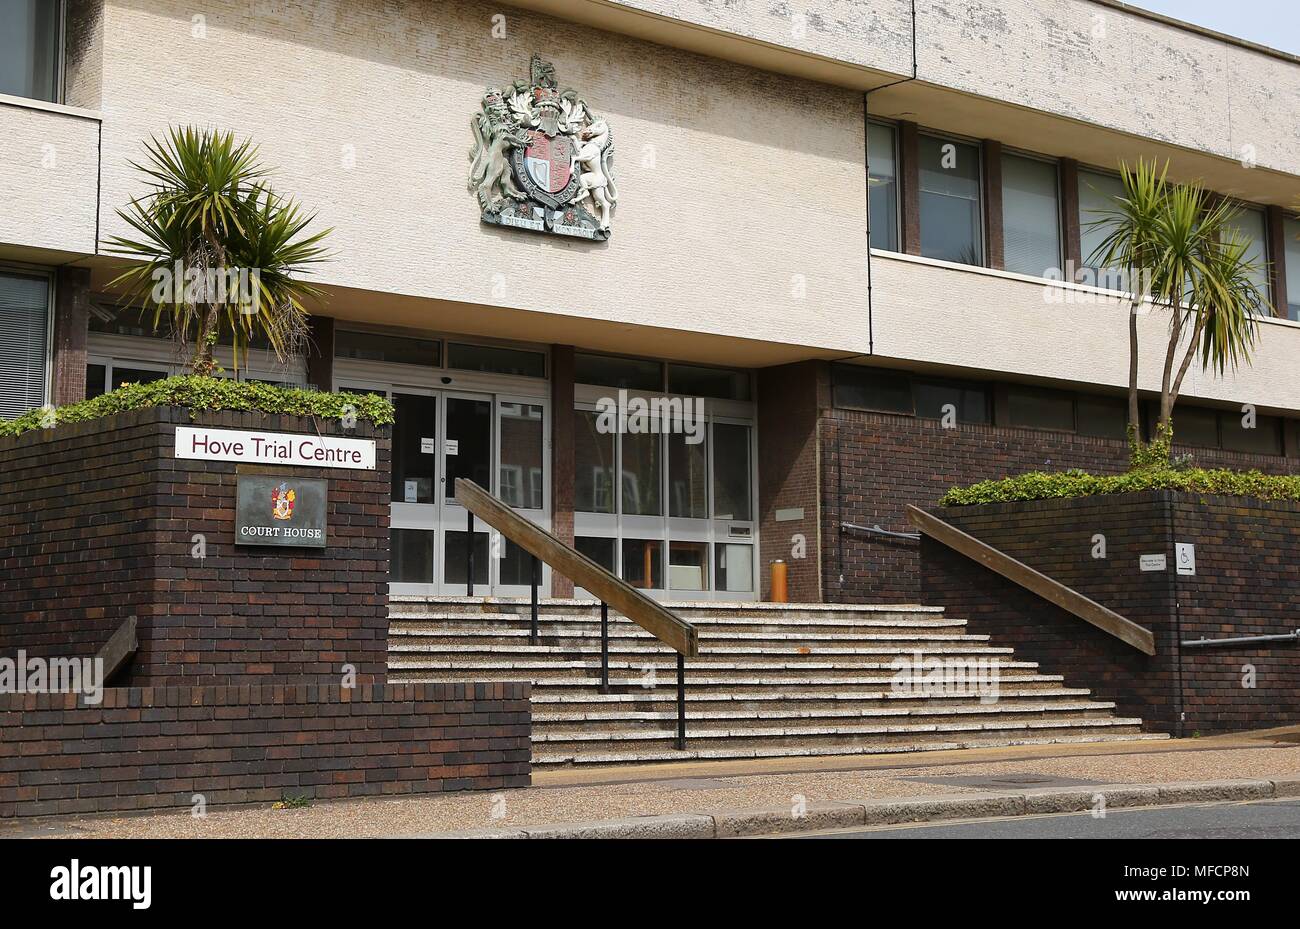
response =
{"points": [[1243, 586], [790, 399], [156, 747], [873, 465], [99, 521]]}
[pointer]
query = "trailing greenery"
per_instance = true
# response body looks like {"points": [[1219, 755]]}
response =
{"points": [[1038, 485], [200, 393]]}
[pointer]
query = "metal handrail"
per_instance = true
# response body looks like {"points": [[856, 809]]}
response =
{"points": [[1243, 639], [876, 530], [1049, 589], [650, 615]]}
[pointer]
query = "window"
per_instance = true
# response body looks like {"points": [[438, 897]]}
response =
{"points": [[594, 464], [1263, 438], [1038, 408], [696, 381], [624, 373], [969, 401], [1251, 227], [414, 461], [1031, 221], [1103, 417], [732, 466], [374, 346], [882, 186], [96, 377], [687, 484], [857, 388], [1196, 426], [734, 567], [496, 359], [599, 550], [1097, 194], [29, 48], [950, 201], [523, 435], [24, 320], [643, 563], [641, 463], [1291, 234]]}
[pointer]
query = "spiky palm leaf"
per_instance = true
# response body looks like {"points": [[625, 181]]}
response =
{"points": [[211, 210]]}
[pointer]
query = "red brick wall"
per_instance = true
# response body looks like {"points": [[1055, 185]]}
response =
{"points": [[873, 465], [99, 522], [1243, 586], [152, 748]]}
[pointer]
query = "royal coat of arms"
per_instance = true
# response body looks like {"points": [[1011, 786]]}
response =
{"points": [[542, 160]]}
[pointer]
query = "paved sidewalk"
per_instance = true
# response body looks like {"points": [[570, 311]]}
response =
{"points": [[589, 795]]}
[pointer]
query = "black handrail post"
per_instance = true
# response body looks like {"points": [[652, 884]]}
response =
{"points": [[532, 632], [604, 647], [469, 586], [681, 702]]}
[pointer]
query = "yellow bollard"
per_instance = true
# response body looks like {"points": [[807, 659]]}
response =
{"points": [[780, 577]]}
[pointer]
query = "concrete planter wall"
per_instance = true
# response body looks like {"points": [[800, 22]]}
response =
{"points": [[1247, 582]]}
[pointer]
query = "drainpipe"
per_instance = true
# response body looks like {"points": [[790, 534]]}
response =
{"points": [[866, 113]]}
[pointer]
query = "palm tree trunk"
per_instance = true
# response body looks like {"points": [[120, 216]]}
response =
{"points": [[1134, 411]]}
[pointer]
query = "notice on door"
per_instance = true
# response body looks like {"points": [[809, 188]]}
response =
{"points": [[428, 446], [451, 447]]}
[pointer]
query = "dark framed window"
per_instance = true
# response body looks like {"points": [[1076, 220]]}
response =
{"points": [[857, 388], [950, 200], [1264, 438], [697, 381], [882, 185], [1291, 238], [1040, 408], [496, 359], [969, 400], [1097, 195], [614, 371], [378, 346], [1102, 417]]}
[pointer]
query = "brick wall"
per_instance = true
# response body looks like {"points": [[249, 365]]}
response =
{"points": [[99, 522], [873, 465], [788, 474], [1242, 587], [156, 747]]}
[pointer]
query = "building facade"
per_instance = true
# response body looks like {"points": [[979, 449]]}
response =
{"points": [[860, 235]]}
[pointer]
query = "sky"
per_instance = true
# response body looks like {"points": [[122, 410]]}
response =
{"points": [[1275, 23]]}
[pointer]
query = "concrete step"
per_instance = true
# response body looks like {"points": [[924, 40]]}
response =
{"points": [[577, 681], [754, 652], [516, 632], [760, 623], [590, 739], [552, 758], [736, 717], [774, 700]]}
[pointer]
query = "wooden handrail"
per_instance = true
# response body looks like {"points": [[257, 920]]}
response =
{"points": [[650, 615], [1053, 591]]}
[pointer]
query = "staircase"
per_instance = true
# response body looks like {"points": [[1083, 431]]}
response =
{"points": [[771, 680]]}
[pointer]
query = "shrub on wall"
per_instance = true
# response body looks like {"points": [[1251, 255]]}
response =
{"points": [[213, 394], [1038, 485]]}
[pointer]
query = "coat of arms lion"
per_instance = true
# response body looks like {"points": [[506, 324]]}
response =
{"points": [[542, 159]]}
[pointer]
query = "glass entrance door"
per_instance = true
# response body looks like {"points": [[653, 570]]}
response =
{"points": [[496, 441]]}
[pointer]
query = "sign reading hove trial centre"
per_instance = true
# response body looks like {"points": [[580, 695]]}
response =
{"points": [[281, 448]]}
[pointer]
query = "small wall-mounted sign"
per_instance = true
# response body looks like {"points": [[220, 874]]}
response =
{"points": [[1185, 558], [282, 448], [1153, 563], [428, 446], [280, 511]]}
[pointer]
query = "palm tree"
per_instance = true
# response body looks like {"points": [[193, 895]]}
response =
{"points": [[217, 251], [1182, 253]]}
